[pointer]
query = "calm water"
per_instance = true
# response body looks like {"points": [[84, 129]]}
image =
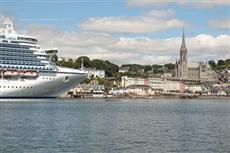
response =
{"points": [[115, 126]]}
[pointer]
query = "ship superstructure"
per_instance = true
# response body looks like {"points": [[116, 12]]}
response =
{"points": [[26, 70]]}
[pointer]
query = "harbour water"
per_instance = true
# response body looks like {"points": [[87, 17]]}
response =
{"points": [[115, 126]]}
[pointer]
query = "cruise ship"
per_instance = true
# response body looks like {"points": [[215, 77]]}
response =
{"points": [[26, 70]]}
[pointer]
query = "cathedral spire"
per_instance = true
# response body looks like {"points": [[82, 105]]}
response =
{"points": [[183, 45], [183, 50]]}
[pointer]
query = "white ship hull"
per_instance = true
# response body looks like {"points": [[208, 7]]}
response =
{"points": [[27, 70], [45, 85]]}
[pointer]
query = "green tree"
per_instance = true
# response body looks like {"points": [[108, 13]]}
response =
{"points": [[101, 81], [170, 66], [147, 68], [220, 62], [220, 65], [76, 64], [98, 64], [227, 62], [86, 61], [212, 64], [109, 68], [87, 80], [70, 62]]}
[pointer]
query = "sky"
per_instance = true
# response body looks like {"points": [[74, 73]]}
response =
{"points": [[126, 31]]}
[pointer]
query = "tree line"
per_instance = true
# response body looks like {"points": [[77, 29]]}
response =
{"points": [[220, 65], [110, 69], [135, 70]]}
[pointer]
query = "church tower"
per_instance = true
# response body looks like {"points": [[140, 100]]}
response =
{"points": [[183, 58]]}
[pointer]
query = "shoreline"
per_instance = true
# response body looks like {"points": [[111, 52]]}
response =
{"points": [[152, 97], [121, 97]]}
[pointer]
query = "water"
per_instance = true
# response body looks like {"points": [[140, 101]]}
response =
{"points": [[115, 126]]}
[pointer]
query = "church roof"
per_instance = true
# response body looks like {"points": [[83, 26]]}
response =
{"points": [[183, 45]]}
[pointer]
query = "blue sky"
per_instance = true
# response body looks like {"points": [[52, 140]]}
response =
{"points": [[74, 16], [67, 15]]}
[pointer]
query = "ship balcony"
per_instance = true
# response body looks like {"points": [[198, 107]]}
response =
{"points": [[26, 67]]}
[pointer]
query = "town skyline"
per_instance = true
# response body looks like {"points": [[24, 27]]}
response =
{"points": [[145, 32]]}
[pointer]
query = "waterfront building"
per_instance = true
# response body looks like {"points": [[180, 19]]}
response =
{"points": [[161, 84], [133, 90], [154, 83], [140, 90], [194, 88], [89, 89], [184, 70], [117, 91], [173, 86], [180, 86]]}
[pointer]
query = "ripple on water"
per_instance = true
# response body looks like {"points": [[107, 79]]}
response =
{"points": [[115, 126]]}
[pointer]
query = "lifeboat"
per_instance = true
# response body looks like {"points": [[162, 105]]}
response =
{"points": [[9, 73], [30, 73]]}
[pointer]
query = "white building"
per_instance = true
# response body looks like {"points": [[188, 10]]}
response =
{"points": [[172, 86], [118, 91], [154, 83], [166, 75], [160, 84], [87, 88], [195, 88], [124, 69], [94, 73], [133, 90], [140, 90]]}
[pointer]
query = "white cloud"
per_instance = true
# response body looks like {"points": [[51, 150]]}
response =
{"points": [[220, 24], [161, 13], [148, 3], [207, 3], [157, 3], [153, 21], [130, 50]]}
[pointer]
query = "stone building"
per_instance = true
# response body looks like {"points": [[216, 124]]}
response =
{"points": [[200, 71]]}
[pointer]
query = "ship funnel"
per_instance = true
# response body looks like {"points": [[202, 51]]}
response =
{"points": [[7, 26]]}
